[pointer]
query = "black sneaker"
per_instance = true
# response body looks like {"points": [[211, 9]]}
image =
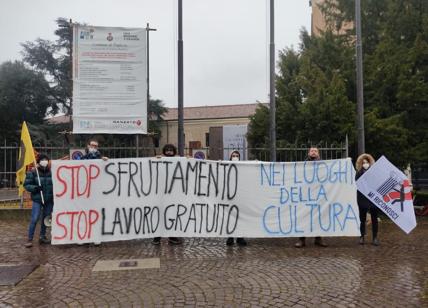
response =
{"points": [[229, 241], [44, 240], [319, 242], [241, 241], [156, 241], [175, 240]]}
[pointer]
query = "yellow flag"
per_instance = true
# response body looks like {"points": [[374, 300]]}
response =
{"points": [[26, 157]]}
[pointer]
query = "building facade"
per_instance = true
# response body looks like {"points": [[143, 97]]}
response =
{"points": [[319, 23], [199, 120]]}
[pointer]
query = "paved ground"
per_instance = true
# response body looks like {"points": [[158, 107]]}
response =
{"points": [[267, 273]]}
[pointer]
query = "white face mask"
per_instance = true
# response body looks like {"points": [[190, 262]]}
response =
{"points": [[366, 166], [235, 158], [92, 150], [44, 163]]}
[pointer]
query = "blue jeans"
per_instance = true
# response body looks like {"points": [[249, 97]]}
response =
{"points": [[35, 216]]}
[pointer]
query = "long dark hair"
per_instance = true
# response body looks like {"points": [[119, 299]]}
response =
{"points": [[169, 147]]}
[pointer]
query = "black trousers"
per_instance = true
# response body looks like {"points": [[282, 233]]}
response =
{"points": [[374, 213], [317, 239]]}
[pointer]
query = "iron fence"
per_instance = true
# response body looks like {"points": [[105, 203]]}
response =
{"points": [[300, 152], [9, 154]]}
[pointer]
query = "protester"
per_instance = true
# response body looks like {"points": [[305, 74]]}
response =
{"points": [[38, 182], [363, 163], [169, 150], [92, 151], [236, 156], [313, 154]]}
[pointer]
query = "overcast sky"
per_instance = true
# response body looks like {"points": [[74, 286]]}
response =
{"points": [[225, 41]]}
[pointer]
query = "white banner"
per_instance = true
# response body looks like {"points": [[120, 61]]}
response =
{"points": [[109, 80], [235, 139], [389, 189], [123, 199]]}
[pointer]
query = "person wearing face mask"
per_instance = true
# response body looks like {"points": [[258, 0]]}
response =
{"points": [[313, 154], [236, 156], [169, 150], [363, 163], [92, 151], [39, 183]]}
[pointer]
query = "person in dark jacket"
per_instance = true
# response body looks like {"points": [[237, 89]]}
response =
{"points": [[41, 205], [313, 154], [169, 150], [236, 156], [92, 151], [363, 163]]}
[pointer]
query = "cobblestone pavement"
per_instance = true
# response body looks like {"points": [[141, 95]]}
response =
{"points": [[205, 272]]}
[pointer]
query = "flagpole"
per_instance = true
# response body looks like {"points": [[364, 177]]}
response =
{"points": [[272, 104], [26, 157], [40, 184], [180, 92]]}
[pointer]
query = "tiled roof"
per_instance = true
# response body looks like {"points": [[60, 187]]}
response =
{"points": [[213, 112], [193, 113], [59, 119]]}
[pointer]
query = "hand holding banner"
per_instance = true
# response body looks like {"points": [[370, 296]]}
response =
{"points": [[123, 199]]}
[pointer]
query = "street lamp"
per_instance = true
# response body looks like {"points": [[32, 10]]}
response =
{"points": [[360, 91], [272, 107], [180, 79]]}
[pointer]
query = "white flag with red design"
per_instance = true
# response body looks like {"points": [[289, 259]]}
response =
{"points": [[389, 189]]}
